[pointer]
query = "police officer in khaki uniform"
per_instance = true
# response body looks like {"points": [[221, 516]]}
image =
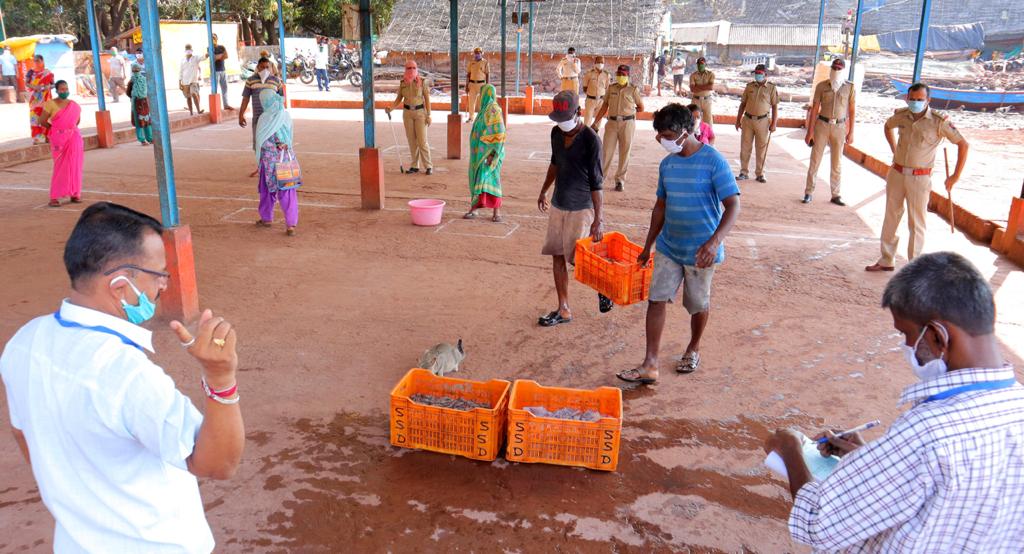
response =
{"points": [[414, 97], [702, 84], [909, 181], [621, 103], [760, 101], [830, 122], [569, 71], [595, 85], [477, 74]]}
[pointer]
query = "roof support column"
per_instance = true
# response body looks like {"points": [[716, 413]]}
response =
{"points": [[104, 127], [817, 47], [371, 165], [856, 40], [504, 22], [216, 113], [280, 46], [922, 40], [454, 118]]}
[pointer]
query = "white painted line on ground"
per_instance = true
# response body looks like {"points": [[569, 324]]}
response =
{"points": [[515, 227], [249, 151]]}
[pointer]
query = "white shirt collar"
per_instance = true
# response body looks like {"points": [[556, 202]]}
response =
{"points": [[93, 318]]}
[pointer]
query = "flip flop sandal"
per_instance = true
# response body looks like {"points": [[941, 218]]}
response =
{"points": [[497, 219], [469, 215], [261, 223], [556, 320], [604, 304], [688, 363], [623, 375]]}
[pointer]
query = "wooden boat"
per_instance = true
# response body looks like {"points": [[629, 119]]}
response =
{"points": [[987, 100]]}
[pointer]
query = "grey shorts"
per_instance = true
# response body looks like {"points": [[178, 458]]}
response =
{"points": [[189, 90], [696, 282], [564, 229]]}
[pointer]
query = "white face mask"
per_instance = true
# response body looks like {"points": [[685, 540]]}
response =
{"points": [[673, 146], [836, 77], [567, 126], [599, 65], [929, 370], [264, 74], [188, 53]]}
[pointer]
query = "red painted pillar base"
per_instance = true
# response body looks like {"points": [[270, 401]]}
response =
{"points": [[284, 92], [454, 136], [181, 299], [104, 129], [503, 102], [528, 100], [1014, 224], [371, 178], [216, 113]]}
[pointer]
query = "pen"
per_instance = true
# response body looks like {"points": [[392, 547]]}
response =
{"points": [[856, 429]]}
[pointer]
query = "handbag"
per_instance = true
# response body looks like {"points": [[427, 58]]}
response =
{"points": [[287, 173]]}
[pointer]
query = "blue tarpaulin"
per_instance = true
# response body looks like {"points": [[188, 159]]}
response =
{"points": [[940, 38]]}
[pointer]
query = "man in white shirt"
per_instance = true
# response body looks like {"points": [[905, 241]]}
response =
{"points": [[320, 66], [115, 448], [948, 476], [8, 68], [116, 82], [190, 76], [678, 73]]}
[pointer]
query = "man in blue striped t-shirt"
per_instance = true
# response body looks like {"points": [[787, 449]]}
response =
{"points": [[698, 203]]}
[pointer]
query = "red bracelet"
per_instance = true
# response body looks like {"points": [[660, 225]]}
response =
{"points": [[226, 393]]}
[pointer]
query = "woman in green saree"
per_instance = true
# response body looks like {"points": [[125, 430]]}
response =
{"points": [[487, 151]]}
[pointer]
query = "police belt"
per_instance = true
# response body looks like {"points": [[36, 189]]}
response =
{"points": [[754, 117], [573, 78], [911, 170], [832, 121], [408, 107], [621, 117], [472, 81], [594, 97]]}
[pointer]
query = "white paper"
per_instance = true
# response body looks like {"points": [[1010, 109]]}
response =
{"points": [[819, 465]]}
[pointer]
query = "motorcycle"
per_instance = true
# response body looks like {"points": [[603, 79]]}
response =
{"points": [[301, 68], [344, 67]]}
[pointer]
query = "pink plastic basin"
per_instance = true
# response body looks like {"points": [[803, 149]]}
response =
{"points": [[426, 212]]}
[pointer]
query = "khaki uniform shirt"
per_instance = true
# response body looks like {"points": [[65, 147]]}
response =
{"points": [[701, 79], [759, 98], [623, 99], [918, 140], [413, 94], [478, 70], [595, 82], [569, 69], [835, 104]]}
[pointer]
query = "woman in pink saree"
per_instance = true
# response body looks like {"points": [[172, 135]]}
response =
{"points": [[61, 116]]}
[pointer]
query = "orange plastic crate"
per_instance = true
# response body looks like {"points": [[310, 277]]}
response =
{"points": [[610, 268], [476, 434], [590, 444]]}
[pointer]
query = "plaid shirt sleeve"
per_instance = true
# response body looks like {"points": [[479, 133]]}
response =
{"points": [[877, 487]]}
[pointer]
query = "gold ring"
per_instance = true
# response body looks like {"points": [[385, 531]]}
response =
{"points": [[219, 342]]}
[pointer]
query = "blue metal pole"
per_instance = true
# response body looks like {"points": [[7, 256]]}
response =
{"points": [[856, 39], [922, 39], [453, 27], [529, 50], [149, 18], [209, 44], [821, 23], [94, 41], [280, 40], [366, 38], [504, 18], [519, 41]]}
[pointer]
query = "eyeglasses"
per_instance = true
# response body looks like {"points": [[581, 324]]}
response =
{"points": [[160, 274]]}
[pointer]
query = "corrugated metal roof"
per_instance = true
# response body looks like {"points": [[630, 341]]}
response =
{"points": [[700, 33], [784, 35]]}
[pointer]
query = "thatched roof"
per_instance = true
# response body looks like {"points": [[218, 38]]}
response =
{"points": [[608, 27]]}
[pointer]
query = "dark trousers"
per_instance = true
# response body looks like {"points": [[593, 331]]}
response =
{"points": [[322, 83]]}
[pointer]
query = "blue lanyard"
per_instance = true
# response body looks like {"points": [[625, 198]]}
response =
{"points": [[985, 385], [97, 328]]}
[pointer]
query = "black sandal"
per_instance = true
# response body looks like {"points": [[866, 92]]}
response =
{"points": [[554, 318], [638, 379], [604, 304]]}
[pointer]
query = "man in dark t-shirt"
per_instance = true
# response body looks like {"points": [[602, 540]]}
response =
{"points": [[220, 53], [575, 208]]}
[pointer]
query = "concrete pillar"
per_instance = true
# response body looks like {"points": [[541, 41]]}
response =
{"points": [[454, 136], [181, 299], [216, 113], [104, 129], [371, 178], [528, 96]]}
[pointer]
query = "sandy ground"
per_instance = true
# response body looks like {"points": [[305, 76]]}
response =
{"points": [[331, 319]]}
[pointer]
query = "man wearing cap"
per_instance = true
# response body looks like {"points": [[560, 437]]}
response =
{"points": [[760, 101], [595, 85], [575, 206], [702, 84], [830, 121], [621, 104], [477, 74], [921, 130], [569, 70], [414, 97]]}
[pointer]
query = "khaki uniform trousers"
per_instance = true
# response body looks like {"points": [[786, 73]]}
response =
{"points": [[913, 191], [835, 137], [590, 108], [571, 83], [618, 133], [704, 103], [473, 98], [416, 133], [751, 129]]}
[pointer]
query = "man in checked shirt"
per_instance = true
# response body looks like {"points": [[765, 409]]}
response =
{"points": [[948, 476]]}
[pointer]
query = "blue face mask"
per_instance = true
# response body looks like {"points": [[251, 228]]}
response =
{"points": [[137, 314], [917, 106], [759, 77]]}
